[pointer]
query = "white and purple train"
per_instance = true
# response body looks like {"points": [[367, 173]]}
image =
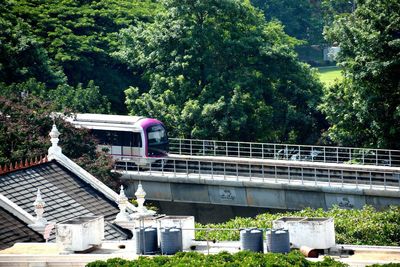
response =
{"points": [[133, 139]]}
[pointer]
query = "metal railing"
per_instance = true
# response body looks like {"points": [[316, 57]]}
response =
{"points": [[327, 154], [278, 173]]}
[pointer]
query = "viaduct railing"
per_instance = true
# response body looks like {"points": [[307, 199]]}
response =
{"points": [[326, 154], [270, 171]]}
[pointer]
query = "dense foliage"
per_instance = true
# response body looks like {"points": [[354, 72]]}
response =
{"points": [[305, 20], [364, 109], [210, 69], [67, 45], [24, 127], [243, 258], [332, 9], [217, 70], [81, 35], [26, 68], [301, 18], [358, 227]]}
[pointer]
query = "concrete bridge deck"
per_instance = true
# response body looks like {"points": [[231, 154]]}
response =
{"points": [[265, 183]]}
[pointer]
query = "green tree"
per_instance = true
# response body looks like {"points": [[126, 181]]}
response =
{"points": [[63, 98], [22, 56], [24, 127], [80, 35], [364, 110], [26, 68], [77, 99], [216, 69], [301, 18], [333, 8]]}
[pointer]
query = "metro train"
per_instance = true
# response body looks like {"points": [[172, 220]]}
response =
{"points": [[133, 139]]}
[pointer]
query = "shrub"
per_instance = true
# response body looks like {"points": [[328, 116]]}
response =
{"points": [[358, 227], [242, 258]]}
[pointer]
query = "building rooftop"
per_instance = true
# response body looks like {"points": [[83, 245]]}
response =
{"points": [[15, 230], [65, 194], [63, 191]]}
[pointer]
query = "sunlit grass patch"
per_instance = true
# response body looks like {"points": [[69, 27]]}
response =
{"points": [[329, 75]]}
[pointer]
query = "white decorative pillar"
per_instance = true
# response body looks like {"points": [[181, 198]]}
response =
{"points": [[122, 201], [54, 149], [39, 209], [40, 222], [140, 194], [141, 217]]}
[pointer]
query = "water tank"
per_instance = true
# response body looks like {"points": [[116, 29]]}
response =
{"points": [[146, 240], [317, 233], [252, 239], [171, 240], [278, 241]]}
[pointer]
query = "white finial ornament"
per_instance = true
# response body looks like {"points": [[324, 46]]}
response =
{"points": [[39, 209], [54, 149], [122, 201], [141, 210], [140, 194]]}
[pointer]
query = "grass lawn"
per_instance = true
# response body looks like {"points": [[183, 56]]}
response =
{"points": [[328, 75]]}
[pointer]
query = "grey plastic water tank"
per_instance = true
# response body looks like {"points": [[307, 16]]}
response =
{"points": [[171, 240], [252, 239], [146, 240], [278, 241]]}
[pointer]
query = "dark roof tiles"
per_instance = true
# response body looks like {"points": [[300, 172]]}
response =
{"points": [[65, 194], [13, 230]]}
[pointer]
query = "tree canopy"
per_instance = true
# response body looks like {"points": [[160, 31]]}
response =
{"points": [[302, 18], [27, 68], [22, 56], [365, 108], [336, 8], [69, 43], [25, 124], [217, 69], [209, 69]]}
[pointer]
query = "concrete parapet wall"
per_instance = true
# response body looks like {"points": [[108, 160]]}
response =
{"points": [[256, 194]]}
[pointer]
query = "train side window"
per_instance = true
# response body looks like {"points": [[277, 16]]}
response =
{"points": [[118, 138], [115, 139], [104, 137], [136, 140], [129, 139], [122, 138]]}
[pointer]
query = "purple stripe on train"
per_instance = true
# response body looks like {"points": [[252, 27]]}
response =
{"points": [[146, 123]]}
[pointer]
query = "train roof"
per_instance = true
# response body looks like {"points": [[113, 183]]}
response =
{"points": [[105, 122], [102, 118]]}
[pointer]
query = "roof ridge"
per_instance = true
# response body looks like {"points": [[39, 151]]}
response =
{"points": [[8, 168], [87, 177], [16, 210]]}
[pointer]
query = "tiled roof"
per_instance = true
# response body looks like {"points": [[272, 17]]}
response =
{"points": [[65, 194], [14, 230]]}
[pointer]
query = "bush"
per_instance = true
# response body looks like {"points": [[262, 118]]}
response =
{"points": [[243, 258], [358, 227]]}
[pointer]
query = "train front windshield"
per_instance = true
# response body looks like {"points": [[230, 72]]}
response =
{"points": [[157, 140]]}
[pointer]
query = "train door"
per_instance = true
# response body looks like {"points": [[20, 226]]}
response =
{"points": [[131, 144]]}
